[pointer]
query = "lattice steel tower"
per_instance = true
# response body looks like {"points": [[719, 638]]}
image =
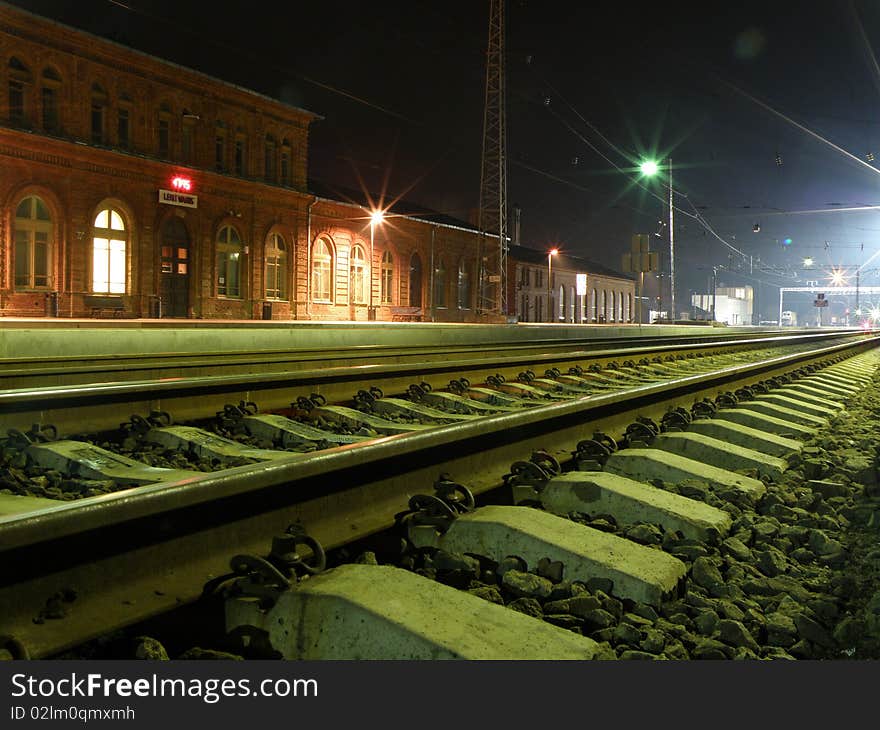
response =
{"points": [[492, 220]]}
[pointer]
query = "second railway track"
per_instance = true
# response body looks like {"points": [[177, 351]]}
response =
{"points": [[138, 552]]}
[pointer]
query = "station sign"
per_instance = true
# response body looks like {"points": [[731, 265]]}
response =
{"points": [[173, 197]]}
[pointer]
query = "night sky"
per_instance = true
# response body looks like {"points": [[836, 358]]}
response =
{"points": [[727, 92]]}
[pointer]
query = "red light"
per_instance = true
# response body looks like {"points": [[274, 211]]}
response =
{"points": [[181, 183]]}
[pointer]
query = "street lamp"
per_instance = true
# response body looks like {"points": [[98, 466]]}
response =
{"points": [[650, 168], [376, 217], [550, 254]]}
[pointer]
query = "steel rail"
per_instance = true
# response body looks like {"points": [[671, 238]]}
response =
{"points": [[37, 399], [33, 368], [134, 554]]}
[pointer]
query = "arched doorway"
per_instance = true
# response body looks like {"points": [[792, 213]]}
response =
{"points": [[174, 267], [415, 281]]}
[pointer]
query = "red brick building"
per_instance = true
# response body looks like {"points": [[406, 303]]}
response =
{"points": [[132, 186]]}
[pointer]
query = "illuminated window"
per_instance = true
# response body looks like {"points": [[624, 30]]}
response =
{"points": [[33, 239], [560, 303], [464, 285], [229, 254], [276, 267], [593, 296], [358, 271], [322, 271], [98, 113], [572, 302], [613, 308], [440, 283], [285, 162], [123, 122], [19, 81], [49, 99], [109, 246], [270, 150], [386, 281], [603, 313]]}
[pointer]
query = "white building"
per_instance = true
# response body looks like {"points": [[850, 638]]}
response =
{"points": [[732, 305]]}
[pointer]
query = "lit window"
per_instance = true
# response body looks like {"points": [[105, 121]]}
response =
{"points": [[109, 246], [33, 236], [322, 271], [229, 261], [560, 303], [358, 271], [276, 267], [386, 281]]}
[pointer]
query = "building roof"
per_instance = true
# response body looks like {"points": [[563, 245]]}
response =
{"points": [[563, 261], [42, 18], [367, 200]]}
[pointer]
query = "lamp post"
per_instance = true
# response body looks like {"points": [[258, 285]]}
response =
{"points": [[376, 217], [650, 168], [550, 254]]}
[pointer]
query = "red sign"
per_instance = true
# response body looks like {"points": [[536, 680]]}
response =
{"points": [[183, 184]]}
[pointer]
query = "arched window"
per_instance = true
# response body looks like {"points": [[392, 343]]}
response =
{"points": [[603, 316], [322, 271], [439, 283], [33, 244], [612, 310], [358, 276], [539, 310], [98, 114], [188, 136], [20, 81], [560, 309], [50, 88], [629, 308], [270, 150], [109, 248], [285, 162], [276, 267], [464, 285], [572, 303], [620, 307], [593, 299], [229, 253], [386, 281]]}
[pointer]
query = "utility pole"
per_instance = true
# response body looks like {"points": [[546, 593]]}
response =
{"points": [[672, 250], [492, 220]]}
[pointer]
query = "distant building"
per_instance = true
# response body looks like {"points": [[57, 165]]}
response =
{"points": [[732, 305], [607, 296]]}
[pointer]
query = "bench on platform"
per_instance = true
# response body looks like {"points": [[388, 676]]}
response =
{"points": [[101, 305], [406, 314]]}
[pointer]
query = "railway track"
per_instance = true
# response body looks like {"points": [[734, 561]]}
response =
{"points": [[141, 551]]}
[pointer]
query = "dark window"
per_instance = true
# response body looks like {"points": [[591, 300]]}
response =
{"points": [[239, 156], [123, 129], [164, 138], [270, 158]]}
